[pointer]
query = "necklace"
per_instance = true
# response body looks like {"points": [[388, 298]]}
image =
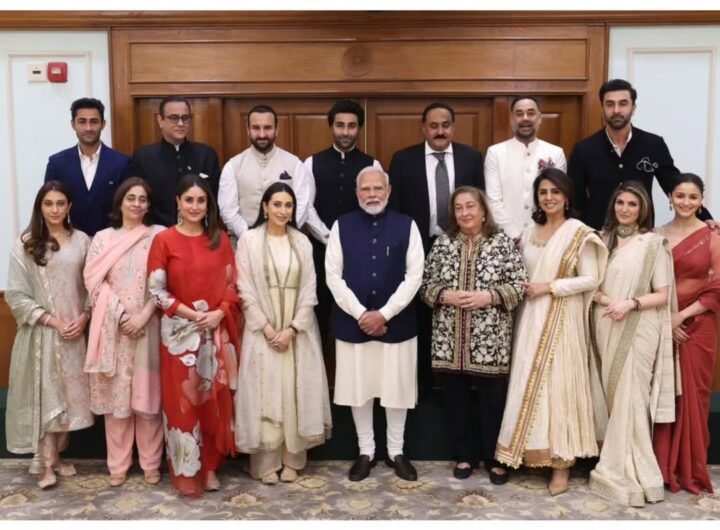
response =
{"points": [[624, 231], [281, 286]]}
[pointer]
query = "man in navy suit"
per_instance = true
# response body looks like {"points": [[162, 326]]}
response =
{"points": [[91, 171], [423, 177]]}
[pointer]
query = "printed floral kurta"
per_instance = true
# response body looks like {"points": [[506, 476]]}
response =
{"points": [[480, 341], [198, 369]]}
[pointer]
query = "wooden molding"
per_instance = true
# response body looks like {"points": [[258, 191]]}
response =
{"points": [[377, 19]]}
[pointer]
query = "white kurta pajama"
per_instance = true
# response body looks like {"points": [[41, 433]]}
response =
{"points": [[510, 169], [375, 369]]}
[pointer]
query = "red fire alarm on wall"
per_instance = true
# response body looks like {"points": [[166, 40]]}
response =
{"points": [[57, 72]]}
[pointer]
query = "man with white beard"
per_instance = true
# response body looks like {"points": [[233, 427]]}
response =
{"points": [[374, 265]]}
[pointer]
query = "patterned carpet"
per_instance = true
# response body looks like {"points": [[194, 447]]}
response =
{"points": [[324, 492]]}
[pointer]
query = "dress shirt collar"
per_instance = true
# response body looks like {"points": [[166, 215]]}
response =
{"points": [[342, 153], [617, 147], [429, 150], [264, 157], [92, 157]]}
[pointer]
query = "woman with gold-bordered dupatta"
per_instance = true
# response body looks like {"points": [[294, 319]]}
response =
{"points": [[548, 419]]}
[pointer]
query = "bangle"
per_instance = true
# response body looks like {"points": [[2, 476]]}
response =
{"points": [[494, 298], [637, 304], [293, 328], [44, 319], [441, 297]]}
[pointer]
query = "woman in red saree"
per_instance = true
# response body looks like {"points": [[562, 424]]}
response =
{"points": [[681, 447], [192, 276]]}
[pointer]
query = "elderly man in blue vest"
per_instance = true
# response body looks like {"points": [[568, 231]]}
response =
{"points": [[374, 265]]}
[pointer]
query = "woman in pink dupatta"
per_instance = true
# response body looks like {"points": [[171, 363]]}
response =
{"points": [[681, 448], [123, 346]]}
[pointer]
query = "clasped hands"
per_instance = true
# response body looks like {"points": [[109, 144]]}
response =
{"points": [[278, 340], [469, 300], [373, 323], [70, 330]]}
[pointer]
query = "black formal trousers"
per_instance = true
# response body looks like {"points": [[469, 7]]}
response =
{"points": [[474, 425]]}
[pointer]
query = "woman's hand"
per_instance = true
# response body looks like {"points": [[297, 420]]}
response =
{"points": [[210, 320], [281, 341], [618, 309], [678, 328], [534, 290], [471, 300], [75, 327], [134, 326], [269, 332], [453, 297]]}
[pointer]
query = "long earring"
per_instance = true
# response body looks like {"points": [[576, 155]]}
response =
{"points": [[179, 219], [265, 215], [68, 220], [567, 206], [670, 204], [205, 220]]}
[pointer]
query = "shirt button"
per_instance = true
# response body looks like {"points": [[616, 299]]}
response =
{"points": [[178, 157], [374, 274], [373, 257], [374, 223], [374, 292], [341, 188], [341, 175], [374, 241], [527, 207], [620, 166]]}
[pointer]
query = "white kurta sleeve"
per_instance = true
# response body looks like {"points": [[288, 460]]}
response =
{"points": [[315, 226], [344, 297], [559, 161], [493, 188], [414, 261], [588, 275], [302, 189], [229, 203]]}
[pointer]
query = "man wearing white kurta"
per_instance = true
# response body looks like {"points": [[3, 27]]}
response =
{"points": [[374, 265], [247, 175], [511, 167]]}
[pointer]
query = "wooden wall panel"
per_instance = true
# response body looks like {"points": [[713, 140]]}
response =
{"points": [[268, 62]]}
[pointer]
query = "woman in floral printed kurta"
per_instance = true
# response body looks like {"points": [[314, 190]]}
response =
{"points": [[192, 275], [472, 279]]}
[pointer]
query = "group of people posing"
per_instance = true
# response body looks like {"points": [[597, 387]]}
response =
{"points": [[209, 297]]}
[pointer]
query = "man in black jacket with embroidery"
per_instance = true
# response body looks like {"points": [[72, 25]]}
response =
{"points": [[618, 152]]}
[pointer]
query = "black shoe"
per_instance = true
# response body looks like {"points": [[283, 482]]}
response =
{"points": [[360, 470], [402, 466], [463, 472], [496, 478]]}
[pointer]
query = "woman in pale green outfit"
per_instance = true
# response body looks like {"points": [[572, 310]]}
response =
{"points": [[632, 339], [48, 395], [282, 405]]}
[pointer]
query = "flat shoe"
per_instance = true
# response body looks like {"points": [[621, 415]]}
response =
{"points": [[288, 474], [152, 477], [212, 485], [557, 489], [403, 467], [270, 478], [496, 478], [117, 480], [47, 483], [65, 469], [360, 469]]}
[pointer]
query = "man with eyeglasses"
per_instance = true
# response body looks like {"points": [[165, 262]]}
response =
{"points": [[164, 163]]}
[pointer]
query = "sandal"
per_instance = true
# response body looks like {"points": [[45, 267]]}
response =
{"points": [[47, 483], [212, 483], [152, 477], [117, 480], [288, 474], [65, 469], [270, 478]]}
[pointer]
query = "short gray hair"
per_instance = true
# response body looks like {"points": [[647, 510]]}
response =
{"points": [[371, 169]]}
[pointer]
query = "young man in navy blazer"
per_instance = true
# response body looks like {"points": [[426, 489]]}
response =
{"points": [[90, 170]]}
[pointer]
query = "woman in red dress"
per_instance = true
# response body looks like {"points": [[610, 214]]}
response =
{"points": [[681, 447], [192, 276]]}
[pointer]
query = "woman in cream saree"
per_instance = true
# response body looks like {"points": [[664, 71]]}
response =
{"points": [[632, 340]]}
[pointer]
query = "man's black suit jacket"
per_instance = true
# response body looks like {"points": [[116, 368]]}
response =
{"points": [[409, 182]]}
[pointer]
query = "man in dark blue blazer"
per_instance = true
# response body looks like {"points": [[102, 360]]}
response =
{"points": [[423, 177], [90, 170]]}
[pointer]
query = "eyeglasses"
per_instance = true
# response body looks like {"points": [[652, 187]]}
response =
{"points": [[175, 118]]}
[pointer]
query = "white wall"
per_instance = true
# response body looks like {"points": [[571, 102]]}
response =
{"points": [[37, 115], [675, 71]]}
